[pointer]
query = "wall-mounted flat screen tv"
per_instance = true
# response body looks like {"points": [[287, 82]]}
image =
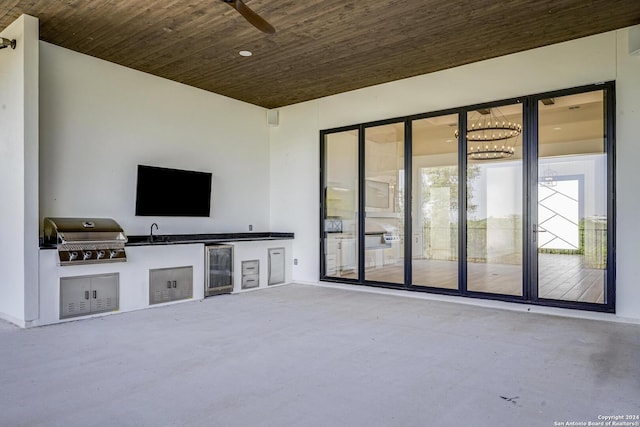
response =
{"points": [[376, 194], [172, 192]]}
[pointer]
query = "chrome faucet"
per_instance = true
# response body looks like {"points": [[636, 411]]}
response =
{"points": [[151, 232]]}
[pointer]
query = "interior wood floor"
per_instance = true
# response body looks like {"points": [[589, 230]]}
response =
{"points": [[563, 277], [560, 277]]}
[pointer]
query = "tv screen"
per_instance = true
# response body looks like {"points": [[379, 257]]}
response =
{"points": [[376, 194], [172, 192]]}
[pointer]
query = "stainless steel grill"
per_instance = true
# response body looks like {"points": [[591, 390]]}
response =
{"points": [[85, 240]]}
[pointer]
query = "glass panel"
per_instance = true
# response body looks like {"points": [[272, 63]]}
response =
{"points": [[435, 202], [494, 200], [572, 198], [384, 203], [341, 204]]}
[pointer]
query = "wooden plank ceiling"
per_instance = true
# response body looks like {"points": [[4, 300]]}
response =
{"points": [[321, 47]]}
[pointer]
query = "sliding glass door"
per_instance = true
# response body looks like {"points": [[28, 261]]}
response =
{"points": [[434, 224], [494, 200], [511, 200], [572, 191], [340, 207], [384, 203]]}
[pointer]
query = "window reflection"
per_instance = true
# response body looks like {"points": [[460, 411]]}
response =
{"points": [[494, 206], [572, 199], [341, 204], [384, 203], [435, 202]]}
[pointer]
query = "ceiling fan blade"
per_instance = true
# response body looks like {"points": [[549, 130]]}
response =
{"points": [[252, 17]]}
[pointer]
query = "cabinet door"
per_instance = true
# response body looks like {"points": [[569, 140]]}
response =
{"points": [[276, 266], [104, 293], [347, 255], [170, 284], [160, 286], [75, 296], [182, 281]]}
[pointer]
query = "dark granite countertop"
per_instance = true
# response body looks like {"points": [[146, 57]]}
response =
{"points": [[178, 239]]}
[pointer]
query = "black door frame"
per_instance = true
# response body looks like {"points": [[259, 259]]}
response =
{"points": [[609, 149], [526, 138]]}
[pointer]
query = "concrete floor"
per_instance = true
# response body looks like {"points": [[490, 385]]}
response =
{"points": [[301, 355]]}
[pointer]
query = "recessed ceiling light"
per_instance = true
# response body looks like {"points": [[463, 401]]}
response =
{"points": [[449, 140], [557, 128], [245, 53]]}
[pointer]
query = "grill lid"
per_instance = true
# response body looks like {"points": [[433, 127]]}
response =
{"points": [[82, 230]]}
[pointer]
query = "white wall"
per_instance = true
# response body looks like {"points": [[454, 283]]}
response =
{"points": [[99, 120], [19, 171], [627, 177], [583, 61], [295, 191], [295, 142]]}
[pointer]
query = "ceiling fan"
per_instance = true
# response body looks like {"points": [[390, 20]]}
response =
{"points": [[252, 17]]}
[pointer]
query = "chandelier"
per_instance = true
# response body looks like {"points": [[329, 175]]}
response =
{"points": [[488, 132]]}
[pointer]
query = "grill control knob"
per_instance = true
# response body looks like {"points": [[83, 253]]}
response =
{"points": [[113, 253], [86, 255], [100, 254], [73, 256]]}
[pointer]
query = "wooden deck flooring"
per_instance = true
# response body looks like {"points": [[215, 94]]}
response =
{"points": [[561, 277]]}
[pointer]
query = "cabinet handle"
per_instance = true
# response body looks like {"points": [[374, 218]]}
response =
{"points": [[86, 294], [168, 284], [175, 284], [95, 294]]}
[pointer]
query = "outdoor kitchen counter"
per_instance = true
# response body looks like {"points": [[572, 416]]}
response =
{"points": [[177, 239], [168, 254], [173, 239]]}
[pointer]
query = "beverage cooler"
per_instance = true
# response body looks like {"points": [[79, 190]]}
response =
{"points": [[218, 270]]}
